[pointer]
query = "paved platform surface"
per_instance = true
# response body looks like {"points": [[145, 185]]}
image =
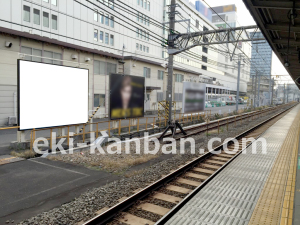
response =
{"points": [[255, 188], [33, 186]]}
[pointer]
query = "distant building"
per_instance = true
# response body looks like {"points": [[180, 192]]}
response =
{"points": [[261, 55], [201, 8], [224, 14]]}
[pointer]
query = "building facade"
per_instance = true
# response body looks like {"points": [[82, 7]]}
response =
{"points": [[101, 36], [261, 56]]}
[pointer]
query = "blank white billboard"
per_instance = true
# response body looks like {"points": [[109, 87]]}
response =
{"points": [[51, 95]]}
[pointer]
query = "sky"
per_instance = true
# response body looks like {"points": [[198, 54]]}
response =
{"points": [[245, 19]]}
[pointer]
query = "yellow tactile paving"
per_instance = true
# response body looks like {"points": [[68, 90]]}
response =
{"points": [[276, 202]]}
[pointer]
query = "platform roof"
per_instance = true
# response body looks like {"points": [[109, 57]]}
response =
{"points": [[271, 17]]}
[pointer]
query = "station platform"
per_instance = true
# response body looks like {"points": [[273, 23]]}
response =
{"points": [[254, 189]]}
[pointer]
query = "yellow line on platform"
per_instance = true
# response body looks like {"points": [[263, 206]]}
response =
{"points": [[275, 204]]}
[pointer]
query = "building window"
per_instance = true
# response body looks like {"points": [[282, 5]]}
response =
{"points": [[36, 16], [26, 13], [106, 38], [96, 15], [145, 4], [112, 40], [148, 6], [142, 3], [101, 36], [99, 100], [137, 32], [95, 35], [160, 75], [102, 18], [111, 4], [104, 68], [147, 49], [51, 56], [137, 46], [204, 59], [204, 49], [204, 67], [46, 1], [54, 22], [107, 20], [163, 54], [31, 53], [147, 72], [138, 2], [112, 22], [54, 2], [178, 78], [45, 19], [144, 48], [197, 24], [141, 47]]}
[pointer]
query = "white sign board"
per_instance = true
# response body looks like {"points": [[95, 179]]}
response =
{"points": [[51, 95], [193, 99]]}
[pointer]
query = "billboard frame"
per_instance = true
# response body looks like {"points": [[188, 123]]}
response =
{"points": [[18, 94], [144, 87]]}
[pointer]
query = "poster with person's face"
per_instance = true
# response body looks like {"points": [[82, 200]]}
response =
{"points": [[126, 96]]}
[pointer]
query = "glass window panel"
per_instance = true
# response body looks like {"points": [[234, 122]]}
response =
{"points": [[96, 100], [26, 13], [96, 16], [36, 16], [103, 68], [137, 46], [101, 36], [112, 40], [57, 56], [45, 19], [107, 20], [54, 22], [27, 51], [96, 67], [37, 52], [112, 22], [47, 55], [106, 38], [54, 2], [95, 35]]}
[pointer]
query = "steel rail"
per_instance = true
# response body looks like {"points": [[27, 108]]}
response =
{"points": [[109, 214]]}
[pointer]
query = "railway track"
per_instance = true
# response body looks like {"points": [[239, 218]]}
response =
{"points": [[159, 201], [216, 124]]}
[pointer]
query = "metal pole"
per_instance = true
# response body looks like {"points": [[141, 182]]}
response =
{"points": [[258, 88], [238, 84], [171, 57], [284, 94], [255, 89], [252, 90], [270, 85], [272, 91]]}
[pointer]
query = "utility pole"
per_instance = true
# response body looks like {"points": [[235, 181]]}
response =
{"points": [[171, 58], [255, 89], [172, 125], [272, 91], [238, 84], [258, 89], [270, 85], [252, 90], [284, 94]]}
